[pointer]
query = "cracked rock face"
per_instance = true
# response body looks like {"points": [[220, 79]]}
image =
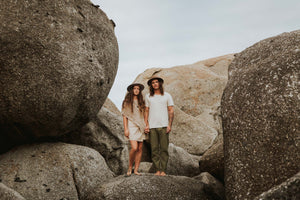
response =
{"points": [[58, 61], [53, 171], [260, 111]]}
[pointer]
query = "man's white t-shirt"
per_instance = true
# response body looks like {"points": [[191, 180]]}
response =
{"points": [[158, 109]]}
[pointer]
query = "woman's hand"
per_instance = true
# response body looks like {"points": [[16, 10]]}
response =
{"points": [[126, 133]]}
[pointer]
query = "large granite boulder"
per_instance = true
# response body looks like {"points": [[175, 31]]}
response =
{"points": [[260, 111], [149, 186], [53, 171], [212, 160], [104, 134], [290, 190], [196, 90], [7, 193], [58, 61]]}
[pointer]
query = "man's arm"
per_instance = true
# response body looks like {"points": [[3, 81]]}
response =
{"points": [[146, 116], [171, 117]]}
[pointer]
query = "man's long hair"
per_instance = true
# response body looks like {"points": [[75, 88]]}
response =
{"points": [[161, 88], [128, 101]]}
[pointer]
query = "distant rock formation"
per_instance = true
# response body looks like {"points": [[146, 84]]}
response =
{"points": [[260, 111], [58, 61], [53, 171], [196, 90]]}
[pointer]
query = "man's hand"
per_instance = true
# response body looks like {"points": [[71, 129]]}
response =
{"points": [[126, 133], [171, 117], [168, 129]]}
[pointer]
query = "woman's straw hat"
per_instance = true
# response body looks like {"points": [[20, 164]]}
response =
{"points": [[130, 87]]}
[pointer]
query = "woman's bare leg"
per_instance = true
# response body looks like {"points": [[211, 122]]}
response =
{"points": [[132, 154], [138, 157]]}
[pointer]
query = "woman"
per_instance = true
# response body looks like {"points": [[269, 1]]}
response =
{"points": [[134, 125]]}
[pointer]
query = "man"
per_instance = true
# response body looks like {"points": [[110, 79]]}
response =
{"points": [[159, 115]]}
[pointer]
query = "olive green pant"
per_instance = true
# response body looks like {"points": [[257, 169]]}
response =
{"points": [[159, 140]]}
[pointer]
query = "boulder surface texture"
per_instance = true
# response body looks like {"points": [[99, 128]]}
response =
{"points": [[7, 193], [260, 111], [290, 189], [58, 61], [53, 171]]}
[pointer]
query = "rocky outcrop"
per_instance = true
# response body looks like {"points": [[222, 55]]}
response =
{"points": [[53, 171], [104, 134], [9, 194], [212, 160], [290, 189], [149, 186], [212, 185], [58, 61], [260, 111], [196, 90]]}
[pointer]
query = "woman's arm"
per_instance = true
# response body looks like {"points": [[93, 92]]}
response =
{"points": [[125, 123]]}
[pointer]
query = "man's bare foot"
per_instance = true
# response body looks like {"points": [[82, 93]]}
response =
{"points": [[137, 173], [157, 173], [163, 174]]}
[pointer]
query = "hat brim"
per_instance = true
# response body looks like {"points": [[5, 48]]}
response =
{"points": [[130, 87], [158, 78]]}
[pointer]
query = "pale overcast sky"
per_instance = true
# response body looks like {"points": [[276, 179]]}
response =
{"points": [[167, 33]]}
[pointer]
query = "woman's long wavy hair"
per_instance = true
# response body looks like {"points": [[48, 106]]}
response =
{"points": [[128, 101], [161, 88]]}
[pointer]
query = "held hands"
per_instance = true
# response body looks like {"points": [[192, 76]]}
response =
{"points": [[126, 133], [147, 130]]}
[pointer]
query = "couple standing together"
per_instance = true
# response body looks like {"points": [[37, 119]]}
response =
{"points": [[152, 117]]}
